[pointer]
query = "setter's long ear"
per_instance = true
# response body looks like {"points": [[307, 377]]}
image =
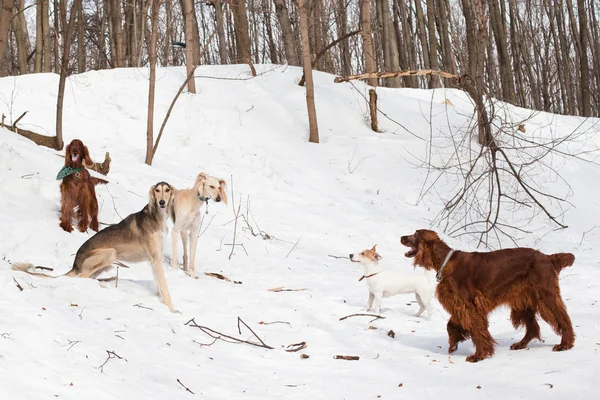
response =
{"points": [[223, 190], [87, 160], [67, 157], [152, 202]]}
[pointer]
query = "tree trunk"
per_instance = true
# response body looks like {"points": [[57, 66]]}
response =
{"points": [[369, 52], [434, 81], [499, 29], [423, 37], [39, 37], [152, 82], [5, 17], [586, 110], [271, 40], [117, 24], [289, 44], [409, 47], [20, 29], [67, 39], [241, 30], [80, 41], [221, 32], [447, 55], [46, 34], [190, 43], [56, 38], [307, 66]]}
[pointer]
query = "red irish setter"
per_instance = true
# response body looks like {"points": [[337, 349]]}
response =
{"points": [[77, 189], [471, 285]]}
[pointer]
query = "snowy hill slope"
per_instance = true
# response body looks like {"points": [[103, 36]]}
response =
{"points": [[353, 190]]}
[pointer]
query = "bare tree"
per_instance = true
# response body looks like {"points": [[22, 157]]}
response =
{"points": [[191, 45], [67, 40], [307, 65], [369, 51], [152, 83], [289, 44], [21, 36]]}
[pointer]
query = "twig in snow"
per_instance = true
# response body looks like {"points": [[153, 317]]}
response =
{"points": [[6, 335], [349, 358], [222, 277], [282, 289], [187, 389], [141, 306], [363, 315], [18, 285], [80, 317], [274, 322], [350, 169], [237, 244], [111, 355], [113, 201], [586, 232], [292, 249], [226, 338], [237, 215], [44, 268], [295, 347], [250, 329]]}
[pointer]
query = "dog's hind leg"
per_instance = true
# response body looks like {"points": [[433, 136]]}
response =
{"points": [[553, 311], [421, 305], [184, 240], [66, 212], [95, 263], [532, 329]]}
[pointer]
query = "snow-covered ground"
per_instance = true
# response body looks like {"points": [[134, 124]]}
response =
{"points": [[353, 190]]}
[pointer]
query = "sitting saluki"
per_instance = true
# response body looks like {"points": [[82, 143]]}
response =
{"points": [[186, 215], [137, 238]]}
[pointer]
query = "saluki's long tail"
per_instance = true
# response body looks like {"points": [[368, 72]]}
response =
{"points": [[30, 269]]}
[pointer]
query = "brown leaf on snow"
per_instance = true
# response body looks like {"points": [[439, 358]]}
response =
{"points": [[400, 384], [304, 355], [391, 334], [478, 386]]}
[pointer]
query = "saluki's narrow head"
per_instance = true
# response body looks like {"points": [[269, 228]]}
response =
{"points": [[211, 188], [367, 256], [161, 195], [76, 154]]}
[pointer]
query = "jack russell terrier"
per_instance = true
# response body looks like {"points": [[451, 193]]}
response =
{"points": [[383, 282]]}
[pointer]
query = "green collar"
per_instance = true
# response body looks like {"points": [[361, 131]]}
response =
{"points": [[202, 198], [66, 171]]}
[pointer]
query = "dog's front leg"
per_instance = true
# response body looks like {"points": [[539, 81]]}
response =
{"points": [[184, 240], [161, 281], [377, 302], [194, 231], [370, 301], [174, 237]]}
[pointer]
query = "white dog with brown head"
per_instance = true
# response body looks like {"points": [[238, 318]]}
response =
{"points": [[186, 215], [383, 282]]}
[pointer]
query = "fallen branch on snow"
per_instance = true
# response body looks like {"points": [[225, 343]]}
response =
{"points": [[362, 315], [222, 277]]}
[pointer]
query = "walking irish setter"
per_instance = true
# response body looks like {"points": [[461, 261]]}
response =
{"points": [[77, 189], [471, 285]]}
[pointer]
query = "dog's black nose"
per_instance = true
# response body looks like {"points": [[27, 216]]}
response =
{"points": [[218, 199], [162, 202]]}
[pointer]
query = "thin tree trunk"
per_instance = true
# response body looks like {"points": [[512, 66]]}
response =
{"points": [[586, 109], [5, 17], [56, 38], [499, 29], [117, 24], [67, 40], [307, 62], [269, 29], [369, 52], [289, 44], [221, 32], [434, 81], [190, 42], [152, 83], [39, 37], [47, 55], [20, 29], [80, 41], [447, 55], [423, 38], [168, 33]]}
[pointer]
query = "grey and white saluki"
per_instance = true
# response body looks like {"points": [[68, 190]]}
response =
{"points": [[137, 238], [186, 215]]}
